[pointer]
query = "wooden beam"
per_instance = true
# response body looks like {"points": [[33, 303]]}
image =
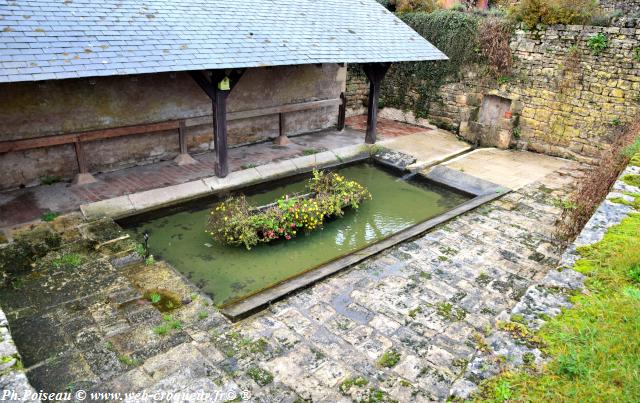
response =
{"points": [[375, 73], [342, 111], [84, 176], [183, 158], [60, 139], [219, 106], [201, 79]]}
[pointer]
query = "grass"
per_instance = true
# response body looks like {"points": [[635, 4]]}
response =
{"points": [[169, 324], [594, 346], [49, 216], [127, 360], [389, 359], [261, 376], [68, 261], [49, 179], [311, 151]]}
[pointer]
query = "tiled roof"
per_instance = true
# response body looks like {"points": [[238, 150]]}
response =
{"points": [[56, 39]]}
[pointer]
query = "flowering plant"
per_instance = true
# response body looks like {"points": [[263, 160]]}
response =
{"points": [[236, 222]]}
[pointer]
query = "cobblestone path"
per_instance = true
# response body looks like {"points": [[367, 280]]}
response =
{"points": [[415, 323]]}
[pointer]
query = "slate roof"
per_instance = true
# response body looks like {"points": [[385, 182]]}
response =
{"points": [[56, 39]]}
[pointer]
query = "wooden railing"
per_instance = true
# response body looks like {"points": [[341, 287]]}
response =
{"points": [[78, 139]]}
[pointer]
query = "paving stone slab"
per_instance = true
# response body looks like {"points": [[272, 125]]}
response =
{"points": [[116, 207], [156, 198]]}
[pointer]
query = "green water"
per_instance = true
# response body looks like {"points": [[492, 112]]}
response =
{"points": [[230, 273]]}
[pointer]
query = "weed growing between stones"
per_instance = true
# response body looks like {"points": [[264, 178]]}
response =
{"points": [[163, 300], [261, 376], [593, 346], [169, 324], [449, 312], [68, 261], [127, 360], [389, 359], [49, 216]]}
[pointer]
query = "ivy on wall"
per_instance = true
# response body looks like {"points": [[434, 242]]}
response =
{"points": [[413, 85]]}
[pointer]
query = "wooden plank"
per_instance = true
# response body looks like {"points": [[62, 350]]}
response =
{"points": [[80, 158], [282, 109], [182, 137], [92, 135], [55, 140]]}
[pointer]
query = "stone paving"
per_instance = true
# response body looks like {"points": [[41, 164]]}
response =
{"points": [[418, 322]]}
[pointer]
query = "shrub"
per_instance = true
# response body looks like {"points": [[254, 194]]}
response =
{"points": [[598, 43], [428, 6], [550, 12], [494, 35], [595, 186], [235, 222]]}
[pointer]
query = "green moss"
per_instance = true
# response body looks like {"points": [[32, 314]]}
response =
{"points": [[49, 216], [593, 346], [49, 179], [632, 180], [127, 360], [68, 261], [348, 383], [260, 376], [414, 312], [449, 312], [389, 359]]}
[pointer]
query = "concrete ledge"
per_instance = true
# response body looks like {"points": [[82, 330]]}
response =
{"points": [[352, 153], [116, 207], [319, 160], [276, 170], [464, 182], [234, 180], [161, 197]]}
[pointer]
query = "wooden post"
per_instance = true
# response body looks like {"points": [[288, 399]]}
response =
{"points": [[375, 73], [282, 139], [219, 105], [84, 176], [342, 111], [183, 158], [220, 132]]}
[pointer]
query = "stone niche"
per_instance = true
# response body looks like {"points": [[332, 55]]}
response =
{"points": [[492, 124]]}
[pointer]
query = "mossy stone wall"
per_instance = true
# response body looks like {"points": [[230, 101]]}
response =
{"points": [[567, 99]]}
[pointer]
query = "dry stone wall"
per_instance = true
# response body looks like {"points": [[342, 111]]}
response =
{"points": [[564, 99]]}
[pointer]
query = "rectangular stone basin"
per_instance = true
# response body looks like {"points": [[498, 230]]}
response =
{"points": [[241, 281]]}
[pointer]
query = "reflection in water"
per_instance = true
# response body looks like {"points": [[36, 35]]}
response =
{"points": [[228, 273]]}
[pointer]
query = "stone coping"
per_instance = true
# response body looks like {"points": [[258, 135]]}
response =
{"points": [[12, 377], [482, 191], [136, 203]]}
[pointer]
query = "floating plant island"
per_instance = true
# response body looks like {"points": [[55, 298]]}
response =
{"points": [[236, 222]]}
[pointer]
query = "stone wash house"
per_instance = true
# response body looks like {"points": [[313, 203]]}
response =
{"points": [[90, 86]]}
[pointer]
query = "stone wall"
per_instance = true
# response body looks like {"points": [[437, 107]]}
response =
{"points": [[30, 110], [13, 381], [564, 99], [571, 98], [626, 6]]}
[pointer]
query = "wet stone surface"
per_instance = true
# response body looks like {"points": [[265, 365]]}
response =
{"points": [[420, 322]]}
